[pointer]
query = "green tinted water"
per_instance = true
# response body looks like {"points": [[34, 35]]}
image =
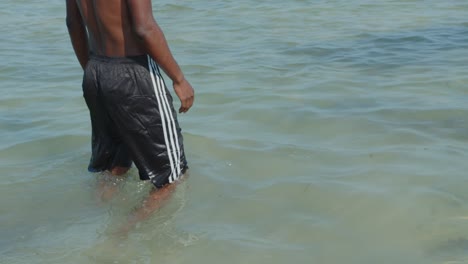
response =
{"points": [[322, 132]]}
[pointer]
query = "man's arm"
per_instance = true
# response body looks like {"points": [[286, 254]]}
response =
{"points": [[77, 31], [156, 46]]}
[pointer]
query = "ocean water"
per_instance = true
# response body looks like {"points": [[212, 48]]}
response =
{"points": [[322, 132]]}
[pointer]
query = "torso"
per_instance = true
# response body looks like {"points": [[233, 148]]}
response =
{"points": [[109, 28]]}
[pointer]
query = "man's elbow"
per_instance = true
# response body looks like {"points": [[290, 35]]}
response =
{"points": [[144, 31]]}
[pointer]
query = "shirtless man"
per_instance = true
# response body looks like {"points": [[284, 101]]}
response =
{"points": [[120, 48]]}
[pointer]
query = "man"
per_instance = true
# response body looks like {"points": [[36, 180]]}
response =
{"points": [[120, 48]]}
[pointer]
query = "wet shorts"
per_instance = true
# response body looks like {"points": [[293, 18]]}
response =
{"points": [[133, 119]]}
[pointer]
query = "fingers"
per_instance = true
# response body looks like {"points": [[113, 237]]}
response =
{"points": [[186, 95], [186, 104]]}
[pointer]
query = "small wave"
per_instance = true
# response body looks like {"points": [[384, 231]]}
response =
{"points": [[42, 149]]}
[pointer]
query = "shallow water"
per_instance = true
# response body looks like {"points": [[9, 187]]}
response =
{"points": [[323, 132]]}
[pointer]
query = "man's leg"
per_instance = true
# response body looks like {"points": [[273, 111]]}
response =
{"points": [[119, 171], [156, 199], [108, 187], [146, 121]]}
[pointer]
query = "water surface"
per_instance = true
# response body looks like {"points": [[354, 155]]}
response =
{"points": [[322, 132]]}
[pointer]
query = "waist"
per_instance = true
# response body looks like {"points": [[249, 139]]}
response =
{"points": [[139, 59]]}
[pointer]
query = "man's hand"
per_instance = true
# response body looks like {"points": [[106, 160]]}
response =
{"points": [[185, 93]]}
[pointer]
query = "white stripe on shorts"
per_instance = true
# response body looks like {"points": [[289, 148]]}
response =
{"points": [[172, 123], [169, 129]]}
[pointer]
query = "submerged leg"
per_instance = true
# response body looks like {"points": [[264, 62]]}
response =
{"points": [[108, 185], [119, 171], [155, 200]]}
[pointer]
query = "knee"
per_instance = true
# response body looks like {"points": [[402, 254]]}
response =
{"points": [[118, 171]]}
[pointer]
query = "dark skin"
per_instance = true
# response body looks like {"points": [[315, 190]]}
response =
{"points": [[121, 28]]}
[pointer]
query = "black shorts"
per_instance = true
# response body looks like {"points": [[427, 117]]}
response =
{"points": [[133, 119]]}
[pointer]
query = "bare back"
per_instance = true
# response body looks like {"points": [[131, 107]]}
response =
{"points": [[109, 28]]}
